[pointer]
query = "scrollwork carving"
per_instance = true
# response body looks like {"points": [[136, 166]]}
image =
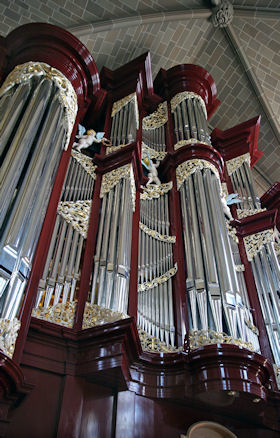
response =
{"points": [[155, 191], [77, 214], [85, 162], [178, 98], [111, 179], [185, 169], [154, 345], [237, 162], [199, 338], [157, 118], [61, 314], [156, 235], [146, 150], [96, 315], [255, 242], [118, 105], [8, 335], [241, 213], [158, 280], [67, 95], [182, 143]]}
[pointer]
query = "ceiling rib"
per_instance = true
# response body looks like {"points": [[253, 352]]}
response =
{"points": [[249, 71]]}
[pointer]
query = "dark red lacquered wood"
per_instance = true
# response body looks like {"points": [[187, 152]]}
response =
{"points": [[190, 152], [239, 140], [188, 77], [110, 355], [55, 46], [134, 76], [255, 223], [271, 200]]}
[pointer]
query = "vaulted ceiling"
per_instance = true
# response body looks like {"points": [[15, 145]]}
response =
{"points": [[243, 58]]}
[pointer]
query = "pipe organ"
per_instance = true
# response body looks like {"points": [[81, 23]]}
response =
{"points": [[128, 269]]}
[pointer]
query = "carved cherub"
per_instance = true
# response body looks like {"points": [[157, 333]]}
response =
{"points": [[89, 138], [229, 200], [152, 170]]}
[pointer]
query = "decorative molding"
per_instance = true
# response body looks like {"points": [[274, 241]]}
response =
{"points": [[232, 231], [156, 234], [157, 119], [119, 104], [8, 335], [249, 212], [77, 214], [178, 98], [154, 345], [152, 152], [185, 169], [158, 280], [61, 314], [111, 149], [237, 162], [67, 95], [199, 338], [85, 162], [255, 242], [182, 143], [96, 315], [222, 14], [277, 248], [155, 191], [111, 179]]}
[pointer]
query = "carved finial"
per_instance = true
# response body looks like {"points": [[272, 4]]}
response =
{"points": [[222, 13]]}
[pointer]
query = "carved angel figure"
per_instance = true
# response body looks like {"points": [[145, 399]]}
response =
{"points": [[152, 170], [229, 200], [89, 138]]}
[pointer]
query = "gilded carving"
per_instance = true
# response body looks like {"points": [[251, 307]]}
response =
{"points": [[96, 315], [67, 95], [182, 143], [154, 191], [239, 268], [156, 235], [111, 179], [237, 162], [117, 106], [158, 280], [178, 98], [154, 345], [111, 149], [146, 150], [185, 169], [255, 242], [199, 338], [77, 214], [249, 212], [157, 118], [85, 162], [8, 335], [61, 314]]}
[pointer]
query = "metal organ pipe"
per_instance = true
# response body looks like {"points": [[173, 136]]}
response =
{"points": [[33, 124]]}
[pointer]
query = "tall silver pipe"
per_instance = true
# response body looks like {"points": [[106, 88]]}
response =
{"points": [[25, 204], [13, 110], [20, 147]]}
